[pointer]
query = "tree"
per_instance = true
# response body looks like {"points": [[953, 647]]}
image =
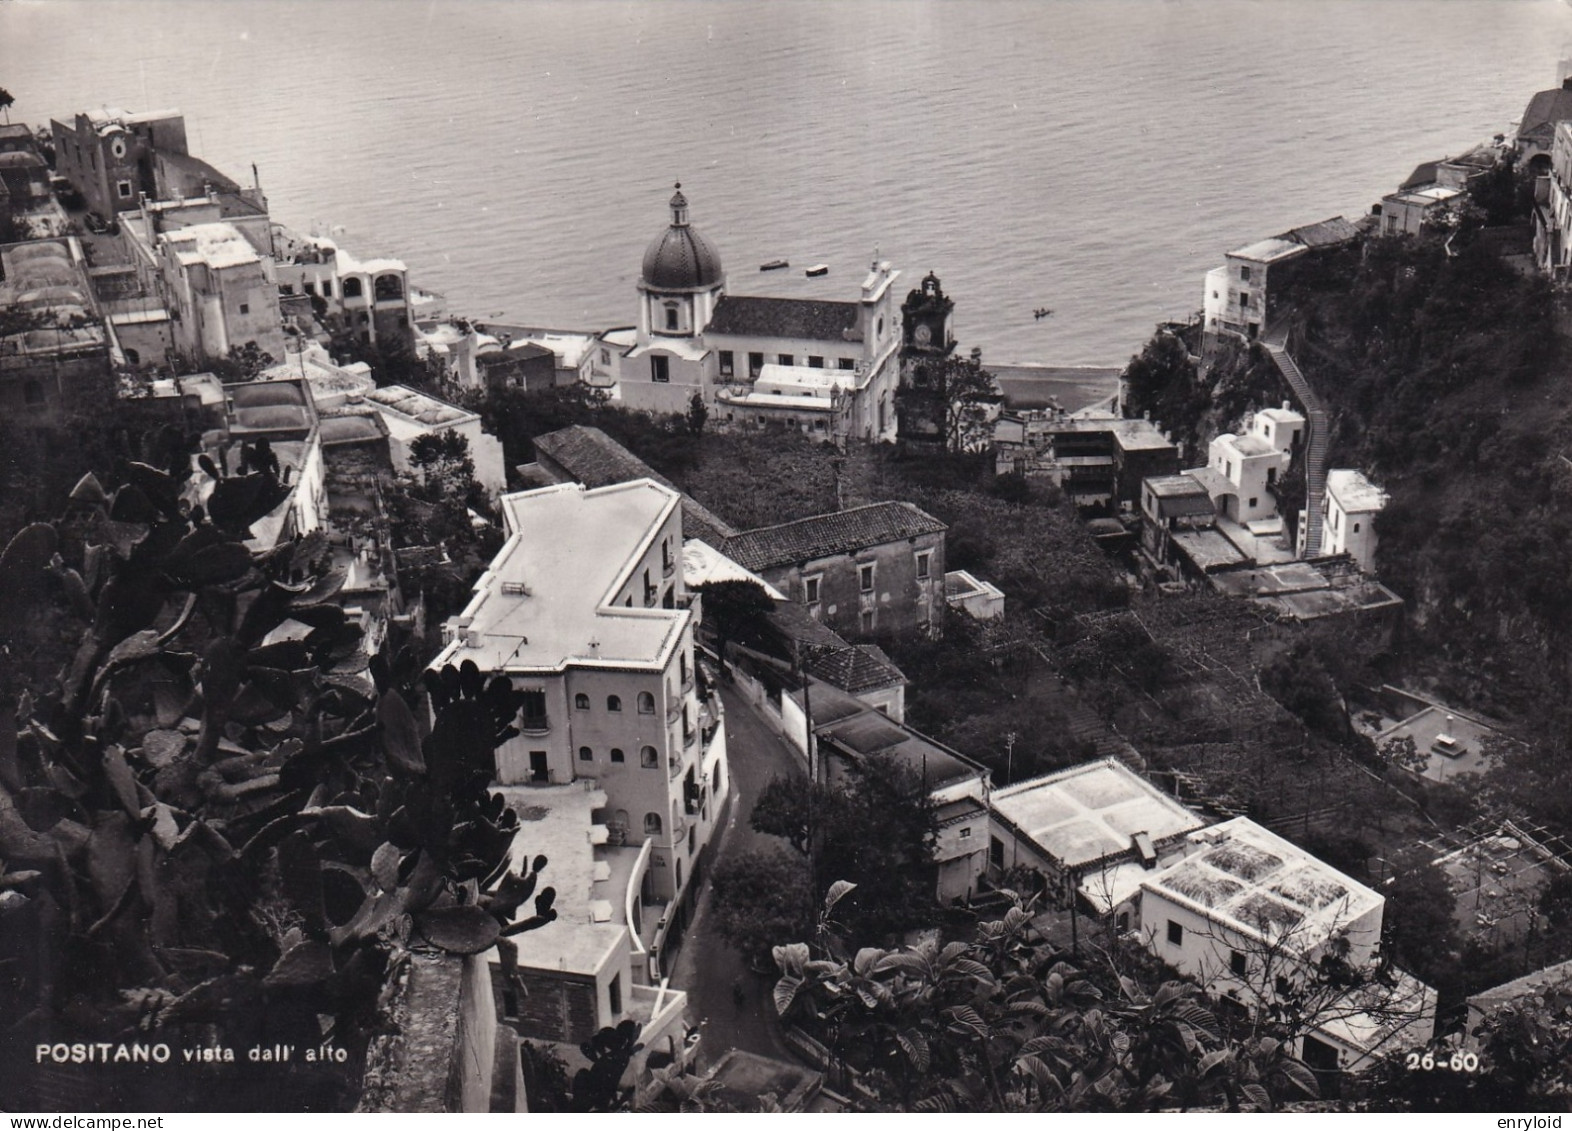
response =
{"points": [[1402, 752], [443, 462], [244, 363], [734, 609], [950, 398], [876, 831], [1162, 383], [6, 102], [698, 414], [761, 897]]}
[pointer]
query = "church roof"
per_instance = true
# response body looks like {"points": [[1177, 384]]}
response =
{"points": [[1544, 110], [824, 535], [680, 259], [801, 318]]}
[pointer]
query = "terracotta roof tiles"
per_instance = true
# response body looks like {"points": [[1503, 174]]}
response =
{"points": [[825, 535]]}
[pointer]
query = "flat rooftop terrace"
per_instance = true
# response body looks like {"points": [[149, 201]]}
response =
{"points": [[1090, 812], [546, 600]]}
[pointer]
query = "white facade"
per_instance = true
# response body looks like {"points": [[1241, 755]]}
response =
{"points": [[1248, 915], [223, 293], [1240, 286], [1348, 526], [1251, 464], [585, 609], [1283, 428]]}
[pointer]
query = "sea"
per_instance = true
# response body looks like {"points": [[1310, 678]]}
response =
{"points": [[1093, 158]]}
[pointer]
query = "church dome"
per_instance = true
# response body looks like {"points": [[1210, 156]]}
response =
{"points": [[680, 259]]}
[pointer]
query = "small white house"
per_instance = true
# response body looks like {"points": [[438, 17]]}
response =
{"points": [[1348, 524]]}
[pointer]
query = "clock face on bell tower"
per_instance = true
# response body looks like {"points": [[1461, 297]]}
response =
{"points": [[926, 314]]}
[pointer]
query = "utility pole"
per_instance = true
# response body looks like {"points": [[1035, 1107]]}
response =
{"points": [[1009, 757]]}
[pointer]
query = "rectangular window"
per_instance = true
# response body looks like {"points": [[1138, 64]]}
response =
{"points": [[787, 359], [1252, 500], [810, 590], [1175, 933], [534, 710], [614, 994], [245, 308], [996, 852], [1244, 274], [1244, 300], [286, 288], [1283, 986], [815, 362], [725, 363], [755, 363], [865, 578], [966, 834], [660, 368], [311, 288], [124, 188], [847, 363], [925, 562], [327, 288], [1236, 963], [869, 616]]}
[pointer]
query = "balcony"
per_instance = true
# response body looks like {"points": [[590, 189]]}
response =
{"points": [[675, 767], [668, 567], [687, 683], [535, 724], [674, 708], [679, 829], [651, 595], [689, 736]]}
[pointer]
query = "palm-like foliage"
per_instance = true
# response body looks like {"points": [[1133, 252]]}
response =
{"points": [[1004, 1023]]}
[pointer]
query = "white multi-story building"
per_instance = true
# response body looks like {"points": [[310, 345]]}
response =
{"points": [[586, 611], [1251, 465], [1348, 525]]}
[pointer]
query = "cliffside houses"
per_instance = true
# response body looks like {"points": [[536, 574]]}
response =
{"points": [[1241, 296]]}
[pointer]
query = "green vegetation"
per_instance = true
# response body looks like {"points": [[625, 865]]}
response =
{"points": [[208, 833]]}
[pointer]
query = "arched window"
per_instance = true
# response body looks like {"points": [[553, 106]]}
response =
{"points": [[652, 824], [352, 288], [716, 786], [581, 701], [388, 287], [679, 874], [586, 754], [646, 703], [132, 357], [648, 758], [671, 318], [617, 755], [613, 703]]}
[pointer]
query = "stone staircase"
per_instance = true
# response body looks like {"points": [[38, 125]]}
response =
{"points": [[1276, 343]]}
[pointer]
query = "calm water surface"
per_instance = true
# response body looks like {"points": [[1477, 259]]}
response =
{"points": [[1092, 157]]}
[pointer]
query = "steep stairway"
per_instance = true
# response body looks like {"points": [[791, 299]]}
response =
{"points": [[1315, 443]]}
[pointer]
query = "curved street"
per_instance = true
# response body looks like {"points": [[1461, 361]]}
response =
{"points": [[707, 967]]}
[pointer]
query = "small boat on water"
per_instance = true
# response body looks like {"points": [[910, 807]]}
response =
{"points": [[817, 269], [774, 265]]}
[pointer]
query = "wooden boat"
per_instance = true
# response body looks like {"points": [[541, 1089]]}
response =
{"points": [[817, 269], [774, 265]]}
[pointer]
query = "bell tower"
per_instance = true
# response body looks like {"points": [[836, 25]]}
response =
{"points": [[927, 333]]}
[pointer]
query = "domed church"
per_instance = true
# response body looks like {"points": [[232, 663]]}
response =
{"points": [[824, 367]]}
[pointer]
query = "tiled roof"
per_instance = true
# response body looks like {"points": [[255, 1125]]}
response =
{"points": [[823, 535], [1422, 175], [810, 319], [856, 669], [596, 460], [1327, 233], [1544, 110]]}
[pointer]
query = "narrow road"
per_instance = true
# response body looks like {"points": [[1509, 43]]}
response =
{"points": [[707, 967]]}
